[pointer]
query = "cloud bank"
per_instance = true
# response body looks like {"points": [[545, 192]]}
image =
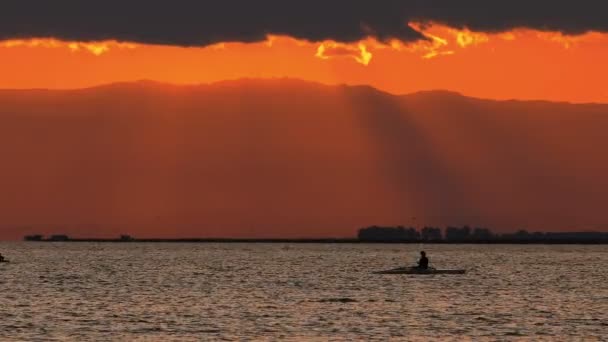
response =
{"points": [[202, 22]]}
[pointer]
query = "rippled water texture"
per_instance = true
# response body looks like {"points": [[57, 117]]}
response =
{"points": [[300, 292]]}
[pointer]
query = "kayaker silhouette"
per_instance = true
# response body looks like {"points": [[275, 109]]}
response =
{"points": [[421, 269], [1, 257], [423, 263]]}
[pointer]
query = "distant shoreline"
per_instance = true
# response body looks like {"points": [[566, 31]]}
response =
{"points": [[317, 241]]}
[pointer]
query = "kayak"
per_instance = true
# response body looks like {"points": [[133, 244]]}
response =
{"points": [[414, 270], [1, 261]]}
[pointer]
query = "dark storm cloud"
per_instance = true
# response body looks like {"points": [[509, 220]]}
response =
{"points": [[191, 22], [567, 16]]}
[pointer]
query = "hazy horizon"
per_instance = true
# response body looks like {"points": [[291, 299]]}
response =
{"points": [[289, 158]]}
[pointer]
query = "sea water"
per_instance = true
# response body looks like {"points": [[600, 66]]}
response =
{"points": [[182, 292]]}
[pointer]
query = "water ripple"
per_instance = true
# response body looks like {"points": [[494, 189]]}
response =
{"points": [[300, 292]]}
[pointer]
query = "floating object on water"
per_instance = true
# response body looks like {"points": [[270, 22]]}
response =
{"points": [[415, 270]]}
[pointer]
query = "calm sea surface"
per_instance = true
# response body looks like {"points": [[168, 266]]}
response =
{"points": [[161, 292]]}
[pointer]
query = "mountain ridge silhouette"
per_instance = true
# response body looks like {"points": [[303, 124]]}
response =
{"points": [[150, 83]]}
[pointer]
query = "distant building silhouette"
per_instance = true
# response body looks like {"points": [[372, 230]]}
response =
{"points": [[33, 238], [400, 233], [478, 235], [482, 234], [59, 238], [431, 234], [455, 234], [579, 236]]}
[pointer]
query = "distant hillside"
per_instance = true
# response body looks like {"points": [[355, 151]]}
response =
{"points": [[268, 158]]}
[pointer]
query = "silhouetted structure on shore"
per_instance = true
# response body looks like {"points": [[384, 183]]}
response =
{"points": [[376, 234], [430, 234], [467, 234], [33, 238]]}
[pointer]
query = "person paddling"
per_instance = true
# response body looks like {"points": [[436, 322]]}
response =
{"points": [[2, 258], [423, 263]]}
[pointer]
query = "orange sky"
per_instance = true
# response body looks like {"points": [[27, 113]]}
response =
{"points": [[522, 64], [563, 174]]}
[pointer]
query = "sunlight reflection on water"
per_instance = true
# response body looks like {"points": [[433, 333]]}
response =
{"points": [[263, 291]]}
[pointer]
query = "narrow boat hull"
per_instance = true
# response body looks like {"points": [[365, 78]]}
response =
{"points": [[407, 270]]}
